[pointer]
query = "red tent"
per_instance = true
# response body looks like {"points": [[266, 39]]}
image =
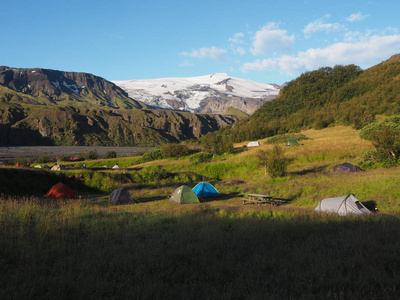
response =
{"points": [[60, 191]]}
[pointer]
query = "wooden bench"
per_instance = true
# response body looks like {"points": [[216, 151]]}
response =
{"points": [[262, 199]]}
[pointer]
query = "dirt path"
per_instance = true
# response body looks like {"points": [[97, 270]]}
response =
{"points": [[9, 153]]}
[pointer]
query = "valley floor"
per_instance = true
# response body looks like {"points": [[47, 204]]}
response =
{"points": [[10, 153]]}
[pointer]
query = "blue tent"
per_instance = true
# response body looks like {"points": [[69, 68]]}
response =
{"points": [[205, 189]]}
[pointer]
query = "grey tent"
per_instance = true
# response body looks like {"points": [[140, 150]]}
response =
{"points": [[120, 196], [342, 206], [345, 168]]}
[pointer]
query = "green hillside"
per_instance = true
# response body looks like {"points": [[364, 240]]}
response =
{"points": [[343, 95]]}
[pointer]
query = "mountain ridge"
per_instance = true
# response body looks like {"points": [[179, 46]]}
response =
{"points": [[37, 86], [50, 107], [213, 93]]}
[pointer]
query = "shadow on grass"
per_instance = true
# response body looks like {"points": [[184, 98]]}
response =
{"points": [[203, 253], [221, 197], [149, 199], [317, 169]]}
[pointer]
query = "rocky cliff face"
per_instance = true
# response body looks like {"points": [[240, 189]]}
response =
{"points": [[51, 87]]}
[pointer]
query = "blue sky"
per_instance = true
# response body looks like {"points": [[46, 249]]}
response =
{"points": [[265, 41]]}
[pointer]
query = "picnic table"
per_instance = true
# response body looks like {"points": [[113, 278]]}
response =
{"points": [[263, 199]]}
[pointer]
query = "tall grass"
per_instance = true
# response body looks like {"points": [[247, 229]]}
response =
{"points": [[77, 249]]}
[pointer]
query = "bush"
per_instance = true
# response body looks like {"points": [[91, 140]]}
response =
{"points": [[174, 150], [92, 154], [110, 154], [385, 136], [274, 162], [201, 157], [154, 174], [45, 159], [218, 144], [153, 154], [283, 138]]}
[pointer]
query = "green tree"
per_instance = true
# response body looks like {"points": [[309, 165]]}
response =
{"points": [[274, 162], [93, 154], [217, 144], [385, 136], [110, 154]]}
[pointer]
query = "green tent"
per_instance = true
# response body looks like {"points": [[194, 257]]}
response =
{"points": [[292, 143], [184, 194]]}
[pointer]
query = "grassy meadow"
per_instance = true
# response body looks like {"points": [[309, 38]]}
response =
{"points": [[217, 249]]}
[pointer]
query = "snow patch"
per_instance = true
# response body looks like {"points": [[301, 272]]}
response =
{"points": [[193, 90], [72, 87]]}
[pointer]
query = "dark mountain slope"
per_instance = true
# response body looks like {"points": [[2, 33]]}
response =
{"points": [[51, 87], [35, 125]]}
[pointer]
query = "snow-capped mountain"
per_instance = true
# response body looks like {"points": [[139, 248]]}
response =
{"points": [[213, 93]]}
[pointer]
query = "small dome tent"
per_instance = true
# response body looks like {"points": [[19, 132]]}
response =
{"points": [[205, 189], [342, 206], [292, 143], [58, 168], [60, 191], [184, 194], [345, 168], [120, 196]]}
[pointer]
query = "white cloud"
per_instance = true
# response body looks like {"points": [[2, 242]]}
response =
{"points": [[239, 50], [356, 17], [319, 25], [271, 38], [365, 53], [186, 64], [237, 38], [210, 53], [236, 44]]}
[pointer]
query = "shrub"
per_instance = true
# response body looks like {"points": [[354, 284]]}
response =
{"points": [[153, 154], [92, 154], [274, 162], [110, 154], [218, 144], [385, 136], [45, 159], [201, 157], [283, 138], [174, 150], [153, 174]]}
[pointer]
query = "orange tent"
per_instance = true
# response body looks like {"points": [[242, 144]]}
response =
{"points": [[60, 191]]}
